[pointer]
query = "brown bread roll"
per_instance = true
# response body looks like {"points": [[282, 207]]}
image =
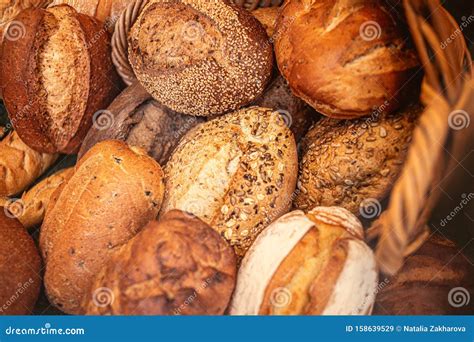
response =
{"points": [[177, 266], [20, 267], [435, 280], [295, 112], [56, 77], [139, 120], [308, 264], [267, 16], [344, 58], [114, 191], [199, 57], [31, 207], [354, 163], [236, 172], [20, 165]]}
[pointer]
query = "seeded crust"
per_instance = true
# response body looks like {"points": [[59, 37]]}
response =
{"points": [[345, 162], [200, 57], [176, 266], [56, 77], [114, 191], [236, 172], [345, 58], [134, 117], [296, 113], [20, 268]]}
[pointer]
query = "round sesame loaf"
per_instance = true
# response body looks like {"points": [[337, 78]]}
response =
{"points": [[199, 57]]}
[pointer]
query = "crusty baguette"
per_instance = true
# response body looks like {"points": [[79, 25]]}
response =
{"points": [[20, 165], [35, 201]]}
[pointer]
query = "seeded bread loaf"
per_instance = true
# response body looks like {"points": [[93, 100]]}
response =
{"points": [[56, 77], [20, 165], [435, 280], [176, 266], [20, 268], [114, 191], [354, 163], [139, 120], [236, 172], [345, 57], [308, 264], [199, 57]]}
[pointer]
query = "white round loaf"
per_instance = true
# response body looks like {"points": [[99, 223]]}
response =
{"points": [[308, 264]]}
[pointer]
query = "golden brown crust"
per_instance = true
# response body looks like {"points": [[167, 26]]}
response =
{"points": [[206, 58], [114, 191], [20, 267], [20, 166], [235, 172], [267, 16], [176, 266], [344, 58], [53, 113], [435, 280], [345, 163], [134, 117]]}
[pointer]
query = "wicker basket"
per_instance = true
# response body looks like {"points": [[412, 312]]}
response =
{"points": [[438, 141]]}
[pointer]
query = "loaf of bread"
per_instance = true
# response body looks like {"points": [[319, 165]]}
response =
{"points": [[298, 116], [107, 11], [10, 28], [435, 280], [199, 57], [139, 120], [308, 264], [33, 203], [177, 266], [346, 57], [20, 165], [20, 268], [56, 77], [268, 17], [114, 191], [354, 163], [236, 172]]}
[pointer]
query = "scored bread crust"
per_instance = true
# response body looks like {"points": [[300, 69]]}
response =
{"points": [[235, 172], [22, 76], [344, 58], [114, 191], [228, 63]]}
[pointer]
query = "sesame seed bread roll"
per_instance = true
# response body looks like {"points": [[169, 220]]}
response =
{"points": [[236, 172], [200, 57], [308, 264]]}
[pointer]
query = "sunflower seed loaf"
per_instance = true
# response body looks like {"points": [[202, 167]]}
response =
{"points": [[236, 172]]}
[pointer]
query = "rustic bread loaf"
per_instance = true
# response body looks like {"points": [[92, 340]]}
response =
{"points": [[354, 163], [20, 267], [33, 203], [236, 172], [267, 16], [435, 280], [199, 57], [344, 58], [56, 77], [177, 266], [308, 264], [114, 191], [20, 165], [139, 120], [295, 112]]}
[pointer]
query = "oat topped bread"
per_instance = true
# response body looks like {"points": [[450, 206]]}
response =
{"points": [[200, 57], [349, 162]]}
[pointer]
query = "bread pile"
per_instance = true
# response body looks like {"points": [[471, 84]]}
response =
{"points": [[223, 180]]}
